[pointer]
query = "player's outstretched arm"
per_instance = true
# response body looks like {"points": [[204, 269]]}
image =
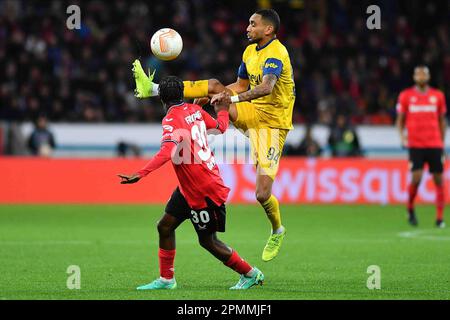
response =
{"points": [[261, 90], [163, 155], [222, 121], [128, 179]]}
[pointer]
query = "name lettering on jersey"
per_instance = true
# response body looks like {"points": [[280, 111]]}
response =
{"points": [[422, 108], [167, 127], [192, 117]]}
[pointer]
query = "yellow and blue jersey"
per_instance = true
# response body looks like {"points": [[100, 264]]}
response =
{"points": [[276, 108]]}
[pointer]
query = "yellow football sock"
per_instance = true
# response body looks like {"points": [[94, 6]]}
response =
{"points": [[195, 89], [272, 208]]}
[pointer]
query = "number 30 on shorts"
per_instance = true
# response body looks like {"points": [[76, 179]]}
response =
{"points": [[202, 216]]}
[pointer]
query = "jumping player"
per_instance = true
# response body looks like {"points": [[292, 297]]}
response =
{"points": [[422, 109], [201, 194], [262, 101]]}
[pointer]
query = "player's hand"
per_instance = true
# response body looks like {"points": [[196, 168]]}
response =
{"points": [[404, 141], [128, 179], [201, 101], [221, 102], [221, 98]]}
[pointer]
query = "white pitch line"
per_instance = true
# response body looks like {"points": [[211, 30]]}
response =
{"points": [[424, 234], [45, 243]]}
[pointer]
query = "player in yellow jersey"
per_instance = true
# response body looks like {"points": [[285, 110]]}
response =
{"points": [[262, 103]]}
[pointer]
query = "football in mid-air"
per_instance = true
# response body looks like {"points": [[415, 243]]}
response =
{"points": [[166, 44]]}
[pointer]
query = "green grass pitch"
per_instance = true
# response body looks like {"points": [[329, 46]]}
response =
{"points": [[325, 255]]}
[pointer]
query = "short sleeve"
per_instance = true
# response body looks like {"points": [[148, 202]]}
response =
{"points": [[242, 72], [273, 66]]}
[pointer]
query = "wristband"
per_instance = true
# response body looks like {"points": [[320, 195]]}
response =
{"points": [[235, 99]]}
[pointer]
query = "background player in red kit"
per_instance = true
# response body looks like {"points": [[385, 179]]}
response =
{"points": [[423, 109], [201, 194]]}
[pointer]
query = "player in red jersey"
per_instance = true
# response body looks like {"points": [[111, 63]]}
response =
{"points": [[201, 195], [422, 110]]}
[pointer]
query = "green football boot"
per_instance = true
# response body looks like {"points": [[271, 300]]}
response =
{"points": [[273, 246], [159, 284], [144, 83], [248, 282]]}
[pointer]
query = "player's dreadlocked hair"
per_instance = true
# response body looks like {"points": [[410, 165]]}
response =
{"points": [[272, 17], [171, 90]]}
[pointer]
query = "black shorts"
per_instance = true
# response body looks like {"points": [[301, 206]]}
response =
{"points": [[210, 219], [434, 157]]}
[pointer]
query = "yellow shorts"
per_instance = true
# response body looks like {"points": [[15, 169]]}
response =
{"points": [[266, 143]]}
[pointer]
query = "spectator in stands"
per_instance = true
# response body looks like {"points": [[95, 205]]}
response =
{"points": [[343, 139], [41, 141], [126, 148], [84, 75], [308, 146]]}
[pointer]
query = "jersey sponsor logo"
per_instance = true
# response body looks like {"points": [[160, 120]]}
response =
{"points": [[167, 128], [422, 108], [270, 65], [192, 117]]}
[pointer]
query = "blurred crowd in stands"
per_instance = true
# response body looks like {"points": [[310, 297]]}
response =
{"points": [[340, 66]]}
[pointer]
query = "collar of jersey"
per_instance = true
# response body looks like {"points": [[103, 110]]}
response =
{"points": [[174, 106], [420, 92], [257, 49]]}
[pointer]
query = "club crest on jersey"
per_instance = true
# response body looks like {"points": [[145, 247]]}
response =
{"points": [[413, 99], [192, 117], [433, 99]]}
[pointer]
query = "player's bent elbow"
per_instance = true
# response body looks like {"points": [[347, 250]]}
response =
{"points": [[267, 89]]}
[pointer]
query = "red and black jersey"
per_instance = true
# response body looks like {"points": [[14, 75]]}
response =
{"points": [[184, 141], [422, 111]]}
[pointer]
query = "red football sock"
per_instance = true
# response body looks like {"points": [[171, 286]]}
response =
{"points": [[166, 258], [440, 200], [412, 192], [238, 264]]}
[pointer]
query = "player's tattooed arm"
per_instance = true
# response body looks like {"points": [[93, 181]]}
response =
{"points": [[261, 90]]}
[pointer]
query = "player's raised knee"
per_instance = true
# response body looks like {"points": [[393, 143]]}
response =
{"points": [[215, 86]]}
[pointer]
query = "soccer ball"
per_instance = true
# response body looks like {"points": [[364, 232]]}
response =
{"points": [[166, 44]]}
